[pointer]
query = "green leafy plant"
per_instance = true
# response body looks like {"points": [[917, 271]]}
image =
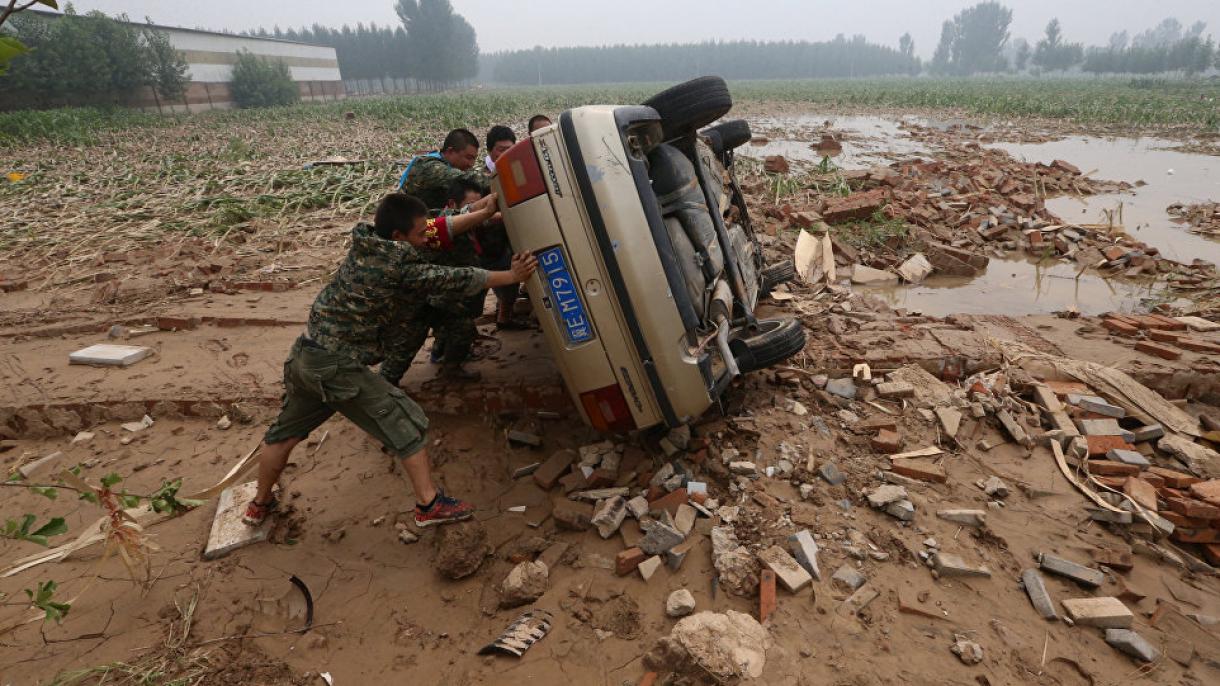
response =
{"points": [[43, 598], [24, 530], [166, 500], [261, 82]]}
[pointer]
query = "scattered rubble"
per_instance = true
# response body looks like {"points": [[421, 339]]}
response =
{"points": [[721, 647]]}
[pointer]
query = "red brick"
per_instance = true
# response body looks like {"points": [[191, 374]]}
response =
{"points": [[1157, 482], [572, 515], [876, 424], [1111, 468], [924, 471], [1207, 490], [547, 475], [699, 497], [1174, 479], [1198, 345], [1114, 252], [1125, 319], [1163, 336], [886, 441], [1194, 509], [766, 595], [854, 206], [1063, 388], [1115, 559], [1211, 551], [1166, 323], [1141, 492], [1158, 350], [627, 560], [669, 502], [1100, 445], [1185, 522], [177, 323], [1118, 327], [1184, 535], [601, 478], [573, 481], [1115, 482]]}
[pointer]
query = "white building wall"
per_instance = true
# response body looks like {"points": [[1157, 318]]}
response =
{"points": [[211, 55]]}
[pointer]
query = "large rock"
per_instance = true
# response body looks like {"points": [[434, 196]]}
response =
{"points": [[712, 646], [525, 584], [460, 549], [680, 603]]}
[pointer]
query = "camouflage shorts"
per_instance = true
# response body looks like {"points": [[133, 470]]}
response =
{"points": [[319, 383]]}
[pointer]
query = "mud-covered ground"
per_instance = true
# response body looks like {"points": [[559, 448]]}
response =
{"points": [[380, 609]]}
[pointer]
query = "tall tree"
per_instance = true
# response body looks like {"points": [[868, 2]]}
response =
{"points": [[1053, 54], [943, 56], [443, 46], [974, 40], [1021, 54]]}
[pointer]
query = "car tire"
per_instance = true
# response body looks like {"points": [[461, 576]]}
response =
{"points": [[733, 134], [775, 274], [774, 341], [690, 106]]}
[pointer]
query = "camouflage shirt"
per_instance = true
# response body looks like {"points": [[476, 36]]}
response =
{"points": [[428, 178], [379, 282]]}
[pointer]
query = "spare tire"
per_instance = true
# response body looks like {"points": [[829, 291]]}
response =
{"points": [[772, 342], [733, 134], [775, 274], [690, 106]]}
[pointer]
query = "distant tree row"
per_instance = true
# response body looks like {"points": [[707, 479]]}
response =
{"points": [[88, 59], [730, 59], [435, 46]]}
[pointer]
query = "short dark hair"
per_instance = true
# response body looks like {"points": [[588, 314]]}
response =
{"points": [[397, 212], [499, 133], [459, 139], [460, 187], [534, 119]]}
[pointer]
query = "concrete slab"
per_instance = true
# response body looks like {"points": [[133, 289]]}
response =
{"points": [[228, 532], [109, 355]]}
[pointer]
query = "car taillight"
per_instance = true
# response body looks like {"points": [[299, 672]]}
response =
{"points": [[520, 175], [607, 409]]}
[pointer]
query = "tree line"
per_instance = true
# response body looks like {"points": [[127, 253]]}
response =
{"points": [[88, 59], [435, 45], [731, 59]]}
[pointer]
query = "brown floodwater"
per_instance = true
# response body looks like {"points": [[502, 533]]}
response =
{"points": [[1016, 284]]}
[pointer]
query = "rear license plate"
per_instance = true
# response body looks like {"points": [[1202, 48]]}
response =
{"points": [[567, 305]]}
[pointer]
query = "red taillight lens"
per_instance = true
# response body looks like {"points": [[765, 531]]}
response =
{"points": [[607, 409], [520, 175]]}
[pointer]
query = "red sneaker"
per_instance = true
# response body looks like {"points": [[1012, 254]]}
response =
{"points": [[257, 514], [443, 511]]}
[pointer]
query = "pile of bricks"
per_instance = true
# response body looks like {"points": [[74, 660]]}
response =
{"points": [[1158, 335]]}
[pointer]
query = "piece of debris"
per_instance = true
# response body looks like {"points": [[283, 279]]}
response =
{"points": [[82, 437], [805, 550], [1035, 588], [109, 355], [29, 469], [867, 276], [136, 427], [680, 603], [525, 438], [946, 564], [967, 651], [972, 518], [609, 516], [848, 577], [229, 532], [524, 584], [1104, 613], [459, 549], [524, 632], [1132, 644], [224, 423], [793, 576], [720, 647]]}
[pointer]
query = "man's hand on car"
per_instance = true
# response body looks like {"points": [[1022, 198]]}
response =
{"points": [[524, 264]]}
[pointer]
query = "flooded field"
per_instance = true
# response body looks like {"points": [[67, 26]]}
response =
{"points": [[1015, 283]]}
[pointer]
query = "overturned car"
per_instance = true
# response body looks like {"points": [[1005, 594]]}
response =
{"points": [[649, 270]]}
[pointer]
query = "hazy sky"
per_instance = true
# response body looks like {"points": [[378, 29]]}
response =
{"points": [[507, 24]]}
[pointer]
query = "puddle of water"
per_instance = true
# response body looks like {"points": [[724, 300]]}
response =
{"points": [[1195, 178], [1017, 287], [1023, 286], [869, 140]]}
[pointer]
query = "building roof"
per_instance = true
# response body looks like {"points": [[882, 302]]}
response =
{"points": [[205, 32]]}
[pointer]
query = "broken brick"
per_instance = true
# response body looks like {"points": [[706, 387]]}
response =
{"points": [[669, 502], [1114, 559], [1184, 535], [1119, 327], [1112, 468], [1207, 490], [1184, 521], [923, 471], [776, 164], [1141, 492], [855, 206], [1197, 345], [627, 560], [1163, 336], [1211, 551], [1156, 349], [572, 515], [547, 475], [886, 441], [766, 595], [1194, 509], [178, 323], [1174, 479], [1100, 445]]}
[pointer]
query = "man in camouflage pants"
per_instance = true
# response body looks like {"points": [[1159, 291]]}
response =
{"points": [[429, 177], [383, 279]]}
